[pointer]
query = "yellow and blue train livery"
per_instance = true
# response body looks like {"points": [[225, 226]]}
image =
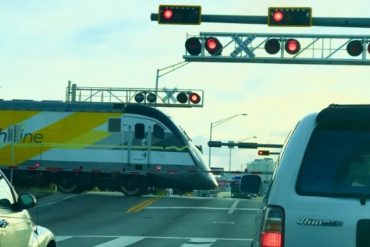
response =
{"points": [[77, 146]]}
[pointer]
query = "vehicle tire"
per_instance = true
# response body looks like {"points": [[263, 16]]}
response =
{"points": [[67, 185], [132, 187]]}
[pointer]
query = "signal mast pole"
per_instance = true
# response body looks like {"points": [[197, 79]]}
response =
{"points": [[316, 21]]}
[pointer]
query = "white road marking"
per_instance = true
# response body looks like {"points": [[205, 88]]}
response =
{"points": [[199, 242], [233, 207], [204, 208], [224, 222], [121, 241], [61, 238], [55, 202]]}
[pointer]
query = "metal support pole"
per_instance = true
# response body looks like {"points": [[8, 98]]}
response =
{"points": [[158, 75], [156, 87], [230, 159], [210, 148], [316, 21], [214, 124]]}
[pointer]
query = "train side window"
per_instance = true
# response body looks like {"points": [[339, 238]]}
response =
{"points": [[158, 131], [139, 131], [114, 125]]}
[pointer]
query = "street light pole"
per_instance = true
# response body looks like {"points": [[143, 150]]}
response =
{"points": [[166, 71], [230, 159], [215, 124]]}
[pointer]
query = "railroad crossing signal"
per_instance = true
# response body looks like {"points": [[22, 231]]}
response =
{"points": [[243, 46], [278, 48], [179, 14], [186, 97], [263, 152], [289, 17], [148, 96], [250, 145]]}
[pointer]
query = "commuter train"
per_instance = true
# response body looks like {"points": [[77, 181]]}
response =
{"points": [[116, 147]]}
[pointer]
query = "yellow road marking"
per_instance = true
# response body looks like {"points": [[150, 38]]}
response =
{"points": [[142, 205]]}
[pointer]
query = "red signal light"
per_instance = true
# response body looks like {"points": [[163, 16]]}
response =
{"points": [[278, 16], [184, 97], [167, 14], [263, 152], [213, 46], [292, 46], [194, 98], [179, 14]]}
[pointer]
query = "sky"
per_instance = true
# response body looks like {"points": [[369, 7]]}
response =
{"points": [[113, 43]]}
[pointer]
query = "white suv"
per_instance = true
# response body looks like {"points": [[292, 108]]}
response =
{"points": [[320, 194]]}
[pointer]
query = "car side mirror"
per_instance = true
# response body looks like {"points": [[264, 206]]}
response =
{"points": [[26, 201], [251, 184]]}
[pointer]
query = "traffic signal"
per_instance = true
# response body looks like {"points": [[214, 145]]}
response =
{"points": [[142, 96], [193, 46], [263, 152], [355, 48], [215, 144], [190, 97], [272, 46], [179, 14], [139, 97], [247, 145], [281, 16], [292, 46], [213, 46], [151, 97]]}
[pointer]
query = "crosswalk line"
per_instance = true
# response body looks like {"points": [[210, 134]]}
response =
{"points": [[61, 238], [121, 241], [199, 242]]}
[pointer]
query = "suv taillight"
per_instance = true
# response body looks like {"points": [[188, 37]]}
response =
{"points": [[272, 227]]}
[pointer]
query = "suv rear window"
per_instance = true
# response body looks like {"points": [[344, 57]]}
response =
{"points": [[337, 162]]}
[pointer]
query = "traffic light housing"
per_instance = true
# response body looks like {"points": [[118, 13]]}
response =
{"points": [[355, 48], [216, 144], [188, 97], [193, 46], [213, 46], [179, 14], [292, 46], [293, 17], [272, 46], [263, 152], [145, 97]]}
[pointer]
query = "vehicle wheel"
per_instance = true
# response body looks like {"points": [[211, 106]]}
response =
{"points": [[132, 187], [68, 186]]}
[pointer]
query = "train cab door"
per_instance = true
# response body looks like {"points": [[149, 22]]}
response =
{"points": [[137, 134]]}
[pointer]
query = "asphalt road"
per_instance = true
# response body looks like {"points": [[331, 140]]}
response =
{"points": [[109, 219]]}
